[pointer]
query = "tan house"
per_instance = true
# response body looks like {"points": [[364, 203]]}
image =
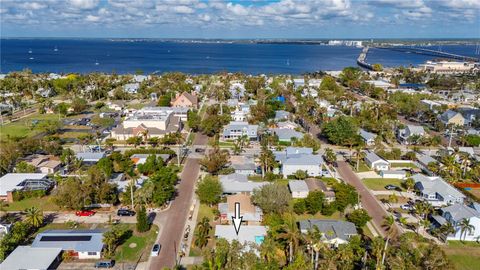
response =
{"points": [[452, 118], [185, 100], [44, 163], [252, 215]]}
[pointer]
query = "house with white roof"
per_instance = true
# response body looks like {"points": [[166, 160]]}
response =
{"points": [[83, 244], [11, 182], [455, 214], [410, 130], [131, 88], [235, 130], [380, 84], [298, 188], [25, 257], [238, 183], [375, 162], [436, 191], [251, 234], [294, 159]]}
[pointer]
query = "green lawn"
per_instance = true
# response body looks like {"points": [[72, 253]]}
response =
{"points": [[380, 183], [404, 165], [362, 167], [44, 203], [137, 246], [23, 127], [463, 255], [319, 215]]}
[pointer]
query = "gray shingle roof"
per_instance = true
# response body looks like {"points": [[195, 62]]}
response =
{"points": [[416, 130], [460, 211], [236, 183], [331, 228], [286, 134], [432, 185]]}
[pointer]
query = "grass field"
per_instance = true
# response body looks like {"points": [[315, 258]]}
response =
{"points": [[475, 192], [403, 165], [23, 127], [380, 183], [137, 246], [44, 203], [335, 215], [464, 256]]}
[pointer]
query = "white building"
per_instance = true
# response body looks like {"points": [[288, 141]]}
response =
{"points": [[298, 188], [436, 191], [456, 214], [448, 67], [375, 162]]}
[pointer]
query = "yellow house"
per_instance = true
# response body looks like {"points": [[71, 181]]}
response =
{"points": [[452, 118]]}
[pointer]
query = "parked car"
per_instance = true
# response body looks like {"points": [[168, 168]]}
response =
{"points": [[155, 250], [105, 264], [199, 150], [85, 213], [407, 207], [392, 187], [125, 213], [187, 232]]}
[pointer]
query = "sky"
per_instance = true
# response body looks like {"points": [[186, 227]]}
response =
{"points": [[241, 19]]}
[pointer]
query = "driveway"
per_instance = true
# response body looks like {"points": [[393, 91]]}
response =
{"points": [[368, 200], [172, 221]]}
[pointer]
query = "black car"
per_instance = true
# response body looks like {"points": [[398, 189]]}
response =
{"points": [[105, 264], [199, 150], [392, 187], [125, 212]]}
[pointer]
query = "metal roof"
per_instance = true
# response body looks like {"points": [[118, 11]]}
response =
{"points": [[460, 211], [25, 257], [76, 240], [247, 234], [298, 186], [11, 181]]}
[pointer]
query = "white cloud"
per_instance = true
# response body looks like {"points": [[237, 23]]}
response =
{"points": [[84, 4], [92, 18], [183, 10]]}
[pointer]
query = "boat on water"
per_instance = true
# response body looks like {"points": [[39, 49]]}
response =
{"points": [[55, 49], [31, 58], [97, 63], [30, 51], [288, 62]]}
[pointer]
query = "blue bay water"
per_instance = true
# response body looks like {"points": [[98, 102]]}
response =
{"points": [[89, 55]]}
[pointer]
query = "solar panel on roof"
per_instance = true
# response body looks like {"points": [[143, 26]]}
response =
{"points": [[66, 238]]}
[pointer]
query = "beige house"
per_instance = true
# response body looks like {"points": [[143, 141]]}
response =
{"points": [[452, 118], [44, 163], [185, 100], [252, 215]]}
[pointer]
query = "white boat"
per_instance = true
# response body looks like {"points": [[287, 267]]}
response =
{"points": [[96, 63], [29, 50], [31, 58], [55, 49]]}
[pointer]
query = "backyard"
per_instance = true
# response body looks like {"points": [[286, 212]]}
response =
{"points": [[136, 247], [203, 211], [464, 256], [44, 203]]}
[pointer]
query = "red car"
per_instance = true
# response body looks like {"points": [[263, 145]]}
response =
{"points": [[85, 213]]}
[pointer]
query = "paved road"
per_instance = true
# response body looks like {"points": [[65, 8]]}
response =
{"points": [[369, 202], [173, 220]]}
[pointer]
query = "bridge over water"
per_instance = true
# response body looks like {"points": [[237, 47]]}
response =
{"points": [[430, 52], [362, 58]]}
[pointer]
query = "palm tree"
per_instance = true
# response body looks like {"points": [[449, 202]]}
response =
{"points": [[447, 229], [360, 155], [34, 216], [201, 235], [409, 184], [269, 250], [330, 155], [389, 225], [465, 228], [291, 234]]}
